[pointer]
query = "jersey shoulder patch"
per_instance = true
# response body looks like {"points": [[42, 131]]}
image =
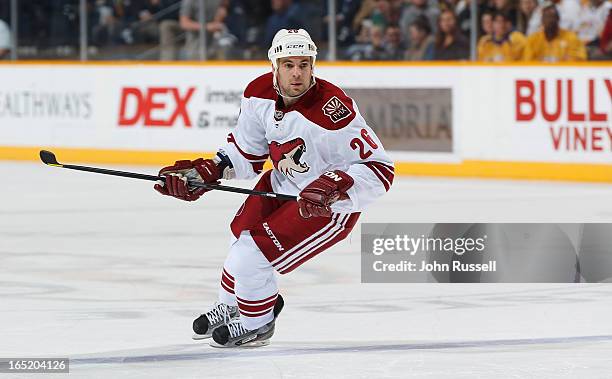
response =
{"points": [[331, 108], [261, 87]]}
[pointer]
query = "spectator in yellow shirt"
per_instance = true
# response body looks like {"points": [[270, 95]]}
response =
{"points": [[553, 44], [503, 45]]}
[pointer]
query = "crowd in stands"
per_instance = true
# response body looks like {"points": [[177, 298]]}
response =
{"points": [[416, 30]]}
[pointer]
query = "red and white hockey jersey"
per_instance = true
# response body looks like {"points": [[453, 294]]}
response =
{"points": [[322, 131]]}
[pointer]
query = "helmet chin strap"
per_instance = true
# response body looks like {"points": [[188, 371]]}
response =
{"points": [[280, 93]]}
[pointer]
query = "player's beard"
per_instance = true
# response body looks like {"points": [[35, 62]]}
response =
{"points": [[295, 90]]}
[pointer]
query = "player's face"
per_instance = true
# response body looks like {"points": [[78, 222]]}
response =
{"points": [[294, 75]]}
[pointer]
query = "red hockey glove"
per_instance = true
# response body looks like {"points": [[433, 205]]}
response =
{"points": [[200, 170], [316, 198]]}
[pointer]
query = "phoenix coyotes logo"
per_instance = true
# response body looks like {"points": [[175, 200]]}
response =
{"points": [[286, 156], [336, 110]]}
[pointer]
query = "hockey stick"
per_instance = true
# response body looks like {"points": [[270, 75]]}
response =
{"points": [[49, 159]]}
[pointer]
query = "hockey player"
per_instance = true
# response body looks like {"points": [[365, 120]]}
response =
{"points": [[322, 150]]}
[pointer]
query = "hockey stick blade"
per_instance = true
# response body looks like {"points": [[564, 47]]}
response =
{"points": [[49, 159]]}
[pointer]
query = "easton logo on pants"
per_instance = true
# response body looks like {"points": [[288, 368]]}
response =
{"points": [[273, 237]]}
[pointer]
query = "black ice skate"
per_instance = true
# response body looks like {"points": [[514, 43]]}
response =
{"points": [[235, 335], [220, 314]]}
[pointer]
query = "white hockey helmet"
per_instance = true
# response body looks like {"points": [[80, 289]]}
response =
{"points": [[292, 43]]}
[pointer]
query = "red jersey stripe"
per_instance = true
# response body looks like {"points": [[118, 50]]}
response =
{"points": [[250, 157]]}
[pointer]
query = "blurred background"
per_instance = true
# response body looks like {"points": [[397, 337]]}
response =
{"points": [[360, 30]]}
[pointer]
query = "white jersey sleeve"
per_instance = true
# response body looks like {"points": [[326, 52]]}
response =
{"points": [[365, 160], [246, 146]]}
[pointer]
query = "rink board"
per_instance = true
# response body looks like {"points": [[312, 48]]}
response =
{"points": [[519, 121]]}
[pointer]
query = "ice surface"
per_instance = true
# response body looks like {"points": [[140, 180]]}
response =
{"points": [[107, 272]]}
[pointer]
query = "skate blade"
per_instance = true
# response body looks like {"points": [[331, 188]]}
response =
{"points": [[246, 345], [199, 337]]}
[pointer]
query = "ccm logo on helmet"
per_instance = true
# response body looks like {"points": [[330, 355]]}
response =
{"points": [[333, 175], [298, 46]]}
